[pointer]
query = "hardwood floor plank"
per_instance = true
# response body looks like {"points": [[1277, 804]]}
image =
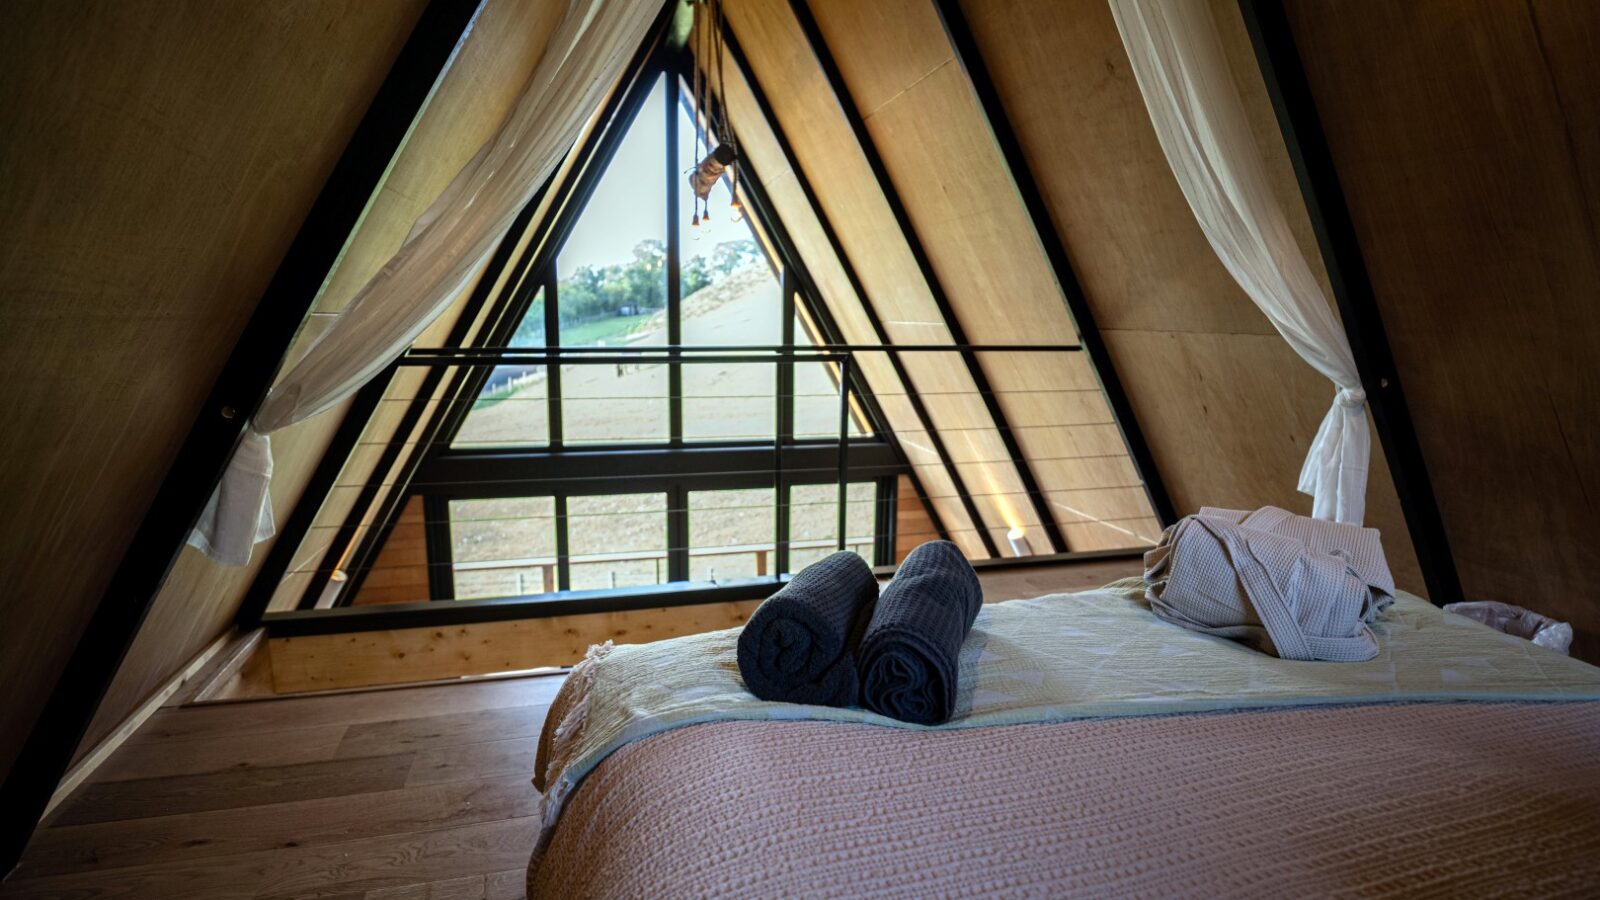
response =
{"points": [[291, 713], [511, 884], [333, 870], [107, 801], [469, 888], [490, 759], [307, 823], [144, 757], [450, 730]]}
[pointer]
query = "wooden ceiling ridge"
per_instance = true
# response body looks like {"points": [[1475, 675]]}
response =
{"points": [[908, 233], [238, 392], [919, 408]]}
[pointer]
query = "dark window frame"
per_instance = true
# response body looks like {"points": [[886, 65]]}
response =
{"points": [[870, 458]]}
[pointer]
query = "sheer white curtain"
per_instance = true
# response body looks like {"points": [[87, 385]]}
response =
{"points": [[1194, 104], [583, 59]]}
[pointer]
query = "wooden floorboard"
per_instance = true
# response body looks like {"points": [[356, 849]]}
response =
{"points": [[420, 792], [307, 823], [432, 732], [144, 798]]}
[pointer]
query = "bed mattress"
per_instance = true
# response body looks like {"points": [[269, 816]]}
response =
{"points": [[1097, 751], [1420, 800]]}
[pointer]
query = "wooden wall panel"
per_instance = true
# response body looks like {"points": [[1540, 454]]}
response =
{"points": [[859, 213], [1227, 407], [400, 572], [200, 597], [325, 662], [158, 159], [760, 146], [965, 209], [1468, 146]]}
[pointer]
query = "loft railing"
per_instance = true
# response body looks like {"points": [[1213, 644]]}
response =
{"points": [[563, 469]]}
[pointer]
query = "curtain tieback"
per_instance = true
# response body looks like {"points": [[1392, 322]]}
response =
{"points": [[1351, 398]]}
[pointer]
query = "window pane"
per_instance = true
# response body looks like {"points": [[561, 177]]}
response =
{"points": [[617, 541], [613, 290], [503, 548], [731, 534], [816, 394], [731, 296], [512, 408], [814, 521]]}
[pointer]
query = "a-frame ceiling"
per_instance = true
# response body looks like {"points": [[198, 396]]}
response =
{"points": [[1465, 145]]}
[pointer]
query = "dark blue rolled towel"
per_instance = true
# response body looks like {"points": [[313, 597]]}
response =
{"points": [[799, 645], [909, 654]]}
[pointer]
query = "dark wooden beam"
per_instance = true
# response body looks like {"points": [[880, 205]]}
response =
{"points": [[1303, 135], [239, 390], [879, 332], [908, 232], [1005, 137]]}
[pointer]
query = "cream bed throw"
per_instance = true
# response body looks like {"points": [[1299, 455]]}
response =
{"points": [[1095, 654]]}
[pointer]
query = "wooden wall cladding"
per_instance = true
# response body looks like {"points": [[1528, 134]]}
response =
{"points": [[159, 158], [861, 216], [324, 662], [1227, 407], [200, 597], [1468, 146], [400, 571], [912, 524], [760, 146], [926, 123]]}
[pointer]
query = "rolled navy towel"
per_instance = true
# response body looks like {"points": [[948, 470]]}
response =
{"points": [[910, 653], [799, 645]]}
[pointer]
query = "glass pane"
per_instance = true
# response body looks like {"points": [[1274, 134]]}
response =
{"points": [[617, 541], [503, 548], [512, 408], [613, 290], [731, 534], [731, 296], [814, 521], [816, 394]]}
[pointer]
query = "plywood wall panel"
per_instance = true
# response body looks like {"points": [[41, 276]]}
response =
{"points": [[1226, 406], [200, 597], [158, 159], [1467, 145], [923, 121]]}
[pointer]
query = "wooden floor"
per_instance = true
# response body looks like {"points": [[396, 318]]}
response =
{"points": [[418, 792]]}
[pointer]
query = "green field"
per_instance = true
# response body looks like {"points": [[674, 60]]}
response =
{"points": [[609, 329]]}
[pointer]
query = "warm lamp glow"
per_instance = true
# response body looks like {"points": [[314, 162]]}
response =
{"points": [[1019, 542]]}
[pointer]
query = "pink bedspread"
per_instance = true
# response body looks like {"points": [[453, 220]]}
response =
{"points": [[1421, 800]]}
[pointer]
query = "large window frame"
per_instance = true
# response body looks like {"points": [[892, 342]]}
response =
{"points": [[675, 466]]}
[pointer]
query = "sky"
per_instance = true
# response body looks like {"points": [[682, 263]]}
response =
{"points": [[626, 206]]}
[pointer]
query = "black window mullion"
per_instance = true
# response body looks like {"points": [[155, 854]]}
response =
{"points": [[563, 546], [552, 338], [674, 255], [438, 552], [780, 562], [677, 533], [884, 526]]}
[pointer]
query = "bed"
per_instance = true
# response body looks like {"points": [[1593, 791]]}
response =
{"points": [[1097, 751]]}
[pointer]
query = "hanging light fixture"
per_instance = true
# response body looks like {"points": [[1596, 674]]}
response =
{"points": [[717, 162]]}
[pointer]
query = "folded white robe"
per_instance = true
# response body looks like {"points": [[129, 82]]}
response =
{"points": [[1300, 588]]}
